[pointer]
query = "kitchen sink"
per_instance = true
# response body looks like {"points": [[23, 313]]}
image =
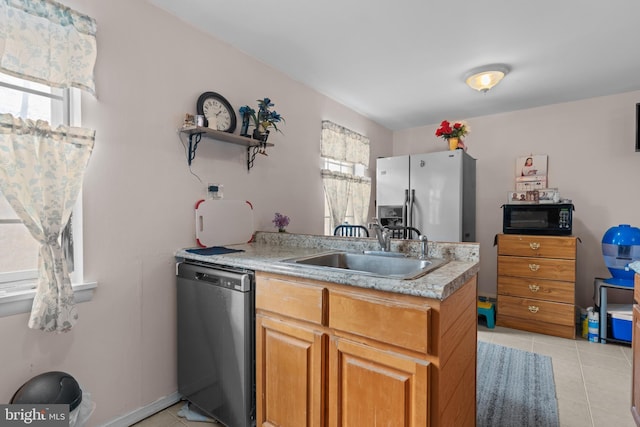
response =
{"points": [[381, 265]]}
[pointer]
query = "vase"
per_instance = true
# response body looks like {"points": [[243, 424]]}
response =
{"points": [[244, 130], [261, 136], [282, 230], [453, 143]]}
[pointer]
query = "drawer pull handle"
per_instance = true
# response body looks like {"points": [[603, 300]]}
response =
{"points": [[534, 245], [534, 308], [534, 267], [534, 288]]}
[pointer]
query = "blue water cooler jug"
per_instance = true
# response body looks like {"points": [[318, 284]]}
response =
{"points": [[620, 247]]}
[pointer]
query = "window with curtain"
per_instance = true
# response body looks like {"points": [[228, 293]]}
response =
{"points": [[347, 190], [46, 48], [18, 249]]}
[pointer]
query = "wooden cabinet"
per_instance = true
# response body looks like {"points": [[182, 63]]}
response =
{"points": [[341, 356], [289, 374], [635, 345], [369, 386], [536, 283]]}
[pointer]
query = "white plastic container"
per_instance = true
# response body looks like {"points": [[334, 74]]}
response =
{"points": [[594, 325]]}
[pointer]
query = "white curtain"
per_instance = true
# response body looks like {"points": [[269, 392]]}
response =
{"points": [[342, 144], [336, 187], [41, 175], [360, 197], [41, 169], [46, 42]]}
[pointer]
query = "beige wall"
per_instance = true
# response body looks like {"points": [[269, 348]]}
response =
{"points": [[592, 161], [139, 196]]}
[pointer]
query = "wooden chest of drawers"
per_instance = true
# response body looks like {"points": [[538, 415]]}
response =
{"points": [[536, 283]]}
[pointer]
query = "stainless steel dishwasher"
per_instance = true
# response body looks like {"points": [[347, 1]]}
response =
{"points": [[216, 336]]}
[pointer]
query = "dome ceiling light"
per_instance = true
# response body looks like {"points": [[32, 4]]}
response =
{"points": [[484, 78]]}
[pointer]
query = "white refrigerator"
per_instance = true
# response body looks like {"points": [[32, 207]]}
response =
{"points": [[433, 192]]}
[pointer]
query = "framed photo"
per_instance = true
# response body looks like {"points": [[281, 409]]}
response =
{"points": [[533, 165], [530, 196], [548, 195]]}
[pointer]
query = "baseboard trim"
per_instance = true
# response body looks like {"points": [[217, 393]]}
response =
{"points": [[144, 412]]}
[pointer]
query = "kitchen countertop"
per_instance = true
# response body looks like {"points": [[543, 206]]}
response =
{"points": [[268, 250]]}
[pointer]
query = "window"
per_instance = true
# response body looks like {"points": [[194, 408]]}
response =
{"points": [[345, 158], [346, 168], [18, 249]]}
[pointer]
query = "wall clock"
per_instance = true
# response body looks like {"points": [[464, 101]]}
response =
{"points": [[217, 112]]}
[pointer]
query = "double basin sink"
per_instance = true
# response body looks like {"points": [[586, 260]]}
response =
{"points": [[372, 263]]}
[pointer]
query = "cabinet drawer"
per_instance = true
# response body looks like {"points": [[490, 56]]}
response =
{"points": [[292, 299], [537, 246], [550, 290], [380, 319], [542, 268], [536, 311]]}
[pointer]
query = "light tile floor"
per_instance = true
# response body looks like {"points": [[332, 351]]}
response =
{"points": [[169, 418], [593, 381]]}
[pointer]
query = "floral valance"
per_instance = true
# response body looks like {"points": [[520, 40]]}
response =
{"points": [[46, 42], [342, 144]]}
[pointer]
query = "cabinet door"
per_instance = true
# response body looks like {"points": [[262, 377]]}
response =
{"points": [[372, 387], [635, 390], [289, 374]]}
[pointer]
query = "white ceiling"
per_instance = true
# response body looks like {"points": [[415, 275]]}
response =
{"points": [[401, 63]]}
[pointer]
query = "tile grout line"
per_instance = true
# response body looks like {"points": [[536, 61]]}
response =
{"points": [[584, 385]]}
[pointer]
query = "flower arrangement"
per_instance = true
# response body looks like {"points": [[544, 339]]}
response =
{"points": [[457, 130], [280, 221], [263, 118]]}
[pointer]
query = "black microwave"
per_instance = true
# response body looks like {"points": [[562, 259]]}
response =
{"points": [[545, 218]]}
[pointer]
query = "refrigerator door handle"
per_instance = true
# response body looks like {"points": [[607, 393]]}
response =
{"points": [[405, 206], [411, 199]]}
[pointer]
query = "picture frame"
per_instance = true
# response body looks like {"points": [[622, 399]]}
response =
{"points": [[542, 196], [533, 165], [548, 195], [523, 197]]}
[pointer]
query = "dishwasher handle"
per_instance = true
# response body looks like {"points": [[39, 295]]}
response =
{"points": [[204, 277], [237, 280]]}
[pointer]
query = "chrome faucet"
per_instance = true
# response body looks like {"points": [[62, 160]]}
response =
{"points": [[383, 235], [424, 249]]}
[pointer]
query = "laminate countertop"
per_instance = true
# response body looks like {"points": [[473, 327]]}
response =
{"points": [[268, 252]]}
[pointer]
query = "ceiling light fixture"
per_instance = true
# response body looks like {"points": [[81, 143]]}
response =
{"points": [[484, 78]]}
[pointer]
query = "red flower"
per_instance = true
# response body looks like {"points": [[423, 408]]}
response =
{"points": [[446, 131]]}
